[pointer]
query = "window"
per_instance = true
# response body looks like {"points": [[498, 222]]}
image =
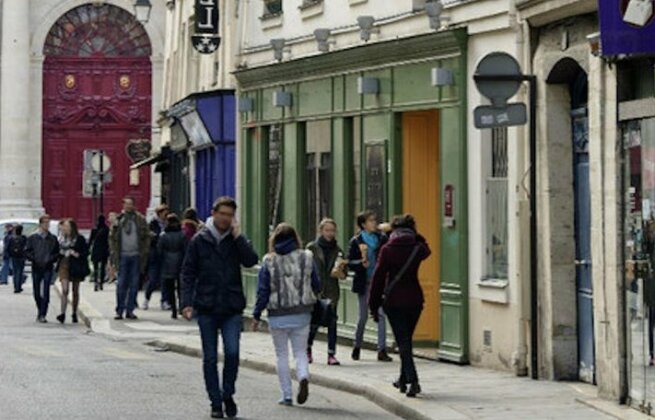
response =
{"points": [[318, 164], [357, 169], [274, 175], [496, 196], [272, 7]]}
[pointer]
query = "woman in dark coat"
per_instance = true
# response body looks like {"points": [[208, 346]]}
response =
{"points": [[99, 244], [402, 301], [171, 247]]}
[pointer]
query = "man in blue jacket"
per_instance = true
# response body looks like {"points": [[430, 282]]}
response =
{"points": [[212, 286]]}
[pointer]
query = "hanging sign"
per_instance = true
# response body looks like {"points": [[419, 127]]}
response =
{"points": [[627, 27], [206, 39]]}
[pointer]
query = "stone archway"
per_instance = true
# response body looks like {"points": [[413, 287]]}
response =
{"points": [[97, 94]]}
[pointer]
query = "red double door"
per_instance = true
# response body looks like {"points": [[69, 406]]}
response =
{"points": [[93, 103]]}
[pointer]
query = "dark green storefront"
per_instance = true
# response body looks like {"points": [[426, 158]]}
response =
{"points": [[323, 149]]}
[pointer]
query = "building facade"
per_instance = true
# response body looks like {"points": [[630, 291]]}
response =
{"points": [[77, 77]]}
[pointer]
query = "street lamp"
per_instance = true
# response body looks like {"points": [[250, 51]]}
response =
{"points": [[142, 10]]}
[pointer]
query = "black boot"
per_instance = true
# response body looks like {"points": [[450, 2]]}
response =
{"points": [[414, 390], [400, 385], [74, 318], [356, 353], [61, 318]]}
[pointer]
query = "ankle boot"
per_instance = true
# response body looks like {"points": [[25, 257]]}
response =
{"points": [[400, 385], [414, 390]]}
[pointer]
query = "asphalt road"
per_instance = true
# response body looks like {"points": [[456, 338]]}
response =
{"points": [[50, 371]]}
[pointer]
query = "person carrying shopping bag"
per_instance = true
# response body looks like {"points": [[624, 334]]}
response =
{"points": [[288, 285]]}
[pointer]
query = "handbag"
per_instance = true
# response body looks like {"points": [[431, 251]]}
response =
{"points": [[399, 274], [323, 312]]}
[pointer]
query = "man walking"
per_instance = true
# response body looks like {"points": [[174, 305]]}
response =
{"points": [[211, 284], [157, 225], [6, 259], [129, 242], [42, 250]]}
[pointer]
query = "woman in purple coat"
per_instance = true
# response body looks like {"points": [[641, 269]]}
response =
{"points": [[399, 293]]}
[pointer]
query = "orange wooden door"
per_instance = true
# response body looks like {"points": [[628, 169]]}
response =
{"points": [[422, 199]]}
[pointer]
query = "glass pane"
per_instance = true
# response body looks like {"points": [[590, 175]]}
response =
{"points": [[497, 228], [274, 175]]}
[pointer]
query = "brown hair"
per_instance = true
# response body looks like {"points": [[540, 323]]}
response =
{"points": [[128, 197], [161, 208], [190, 214], [326, 221], [172, 220], [283, 232], [363, 217], [74, 230], [224, 201], [43, 217], [403, 221]]}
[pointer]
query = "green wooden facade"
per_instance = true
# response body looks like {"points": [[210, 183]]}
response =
{"points": [[324, 87]]}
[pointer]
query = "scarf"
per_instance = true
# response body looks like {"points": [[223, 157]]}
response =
{"points": [[126, 222], [372, 241], [326, 246]]}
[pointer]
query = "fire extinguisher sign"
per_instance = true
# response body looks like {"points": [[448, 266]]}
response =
{"points": [[449, 206]]}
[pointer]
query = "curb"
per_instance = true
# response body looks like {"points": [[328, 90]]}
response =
{"points": [[369, 392]]}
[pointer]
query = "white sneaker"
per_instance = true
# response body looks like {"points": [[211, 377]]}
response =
{"points": [[145, 305], [165, 306]]}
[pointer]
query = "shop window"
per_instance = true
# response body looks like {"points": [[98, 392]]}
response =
{"points": [[272, 8], [318, 171], [357, 169], [274, 175], [496, 200]]}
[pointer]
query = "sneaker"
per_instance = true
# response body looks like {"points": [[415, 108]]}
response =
{"points": [[118, 317], [61, 318], [310, 358], [217, 413], [131, 316], [303, 393], [146, 303], [332, 361], [230, 408], [356, 353], [384, 357], [74, 318], [42, 320], [286, 402], [165, 306]]}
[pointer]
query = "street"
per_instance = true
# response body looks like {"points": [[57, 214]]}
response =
{"points": [[50, 371]]}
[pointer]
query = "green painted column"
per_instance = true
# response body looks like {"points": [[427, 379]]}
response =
{"points": [[293, 170], [256, 178], [342, 177]]}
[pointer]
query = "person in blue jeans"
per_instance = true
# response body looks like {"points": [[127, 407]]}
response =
{"points": [[155, 280], [42, 250], [6, 259], [211, 285], [129, 242], [17, 246]]}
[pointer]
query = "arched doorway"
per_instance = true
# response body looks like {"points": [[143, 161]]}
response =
{"points": [[97, 95]]}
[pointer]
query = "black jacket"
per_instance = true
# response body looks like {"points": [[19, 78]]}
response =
{"points": [[171, 247], [99, 243], [211, 273], [16, 246], [43, 252], [355, 261], [79, 266]]}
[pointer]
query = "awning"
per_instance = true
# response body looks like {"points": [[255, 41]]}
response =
{"points": [[155, 158]]}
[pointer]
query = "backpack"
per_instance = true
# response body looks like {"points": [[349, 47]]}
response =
{"points": [[17, 247]]}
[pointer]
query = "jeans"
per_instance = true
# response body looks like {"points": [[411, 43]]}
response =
{"points": [[361, 324], [230, 327], [403, 323], [298, 338], [128, 284], [99, 271], [154, 279], [41, 280], [19, 268], [332, 336], [4, 272]]}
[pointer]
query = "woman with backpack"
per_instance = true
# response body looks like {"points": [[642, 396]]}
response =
{"points": [[396, 289], [288, 284], [17, 244], [99, 244], [171, 247], [73, 266]]}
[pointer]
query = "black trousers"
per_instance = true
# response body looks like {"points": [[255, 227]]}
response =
{"points": [[99, 271], [172, 285], [403, 323]]}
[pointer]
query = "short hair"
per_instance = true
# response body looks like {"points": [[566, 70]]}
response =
{"points": [[128, 197], [403, 221], [327, 221], [363, 217], [43, 218], [172, 219], [190, 214], [161, 208], [224, 201], [281, 233], [18, 229]]}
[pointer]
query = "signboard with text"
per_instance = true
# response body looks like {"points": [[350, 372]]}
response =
{"points": [[627, 26], [206, 39]]}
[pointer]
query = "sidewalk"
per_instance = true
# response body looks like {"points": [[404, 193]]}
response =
{"points": [[450, 392]]}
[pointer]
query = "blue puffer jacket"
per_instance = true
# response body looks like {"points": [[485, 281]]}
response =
{"points": [[211, 273]]}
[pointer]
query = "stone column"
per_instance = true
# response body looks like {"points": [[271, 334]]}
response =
{"points": [[19, 163]]}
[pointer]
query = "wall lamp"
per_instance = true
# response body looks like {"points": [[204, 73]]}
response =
{"points": [[282, 99], [246, 104], [368, 85], [278, 48], [322, 36], [442, 77], [366, 26], [142, 10], [434, 10]]}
